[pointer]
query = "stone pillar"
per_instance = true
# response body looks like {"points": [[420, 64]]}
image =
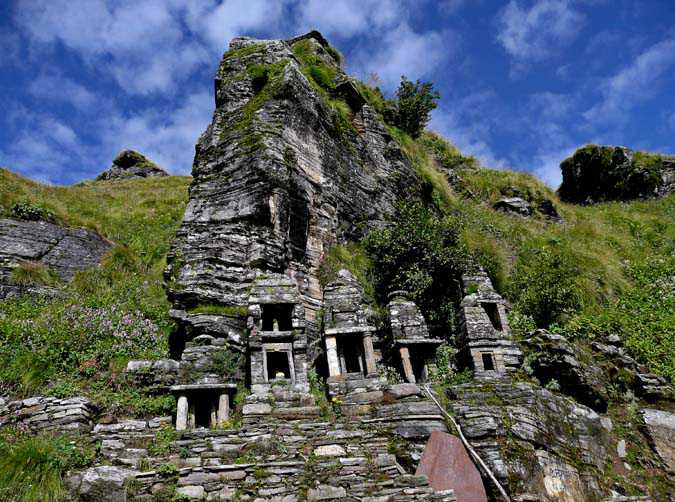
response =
{"points": [[223, 408], [407, 367], [191, 421], [213, 419], [182, 413], [332, 357], [369, 354]]}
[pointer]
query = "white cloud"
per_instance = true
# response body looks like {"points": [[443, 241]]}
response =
{"points": [[635, 83], [547, 165], [347, 18], [58, 88], [168, 140], [457, 121], [402, 51], [535, 34]]}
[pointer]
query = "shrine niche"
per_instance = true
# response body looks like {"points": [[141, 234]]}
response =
{"points": [[277, 343], [413, 344], [484, 342]]}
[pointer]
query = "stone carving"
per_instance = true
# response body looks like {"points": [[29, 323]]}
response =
{"points": [[410, 336], [484, 342], [277, 342]]}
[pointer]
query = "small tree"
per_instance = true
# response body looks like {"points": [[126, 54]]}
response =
{"points": [[415, 101]]}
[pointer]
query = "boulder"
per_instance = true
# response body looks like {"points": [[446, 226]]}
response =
{"points": [[514, 205], [604, 173], [100, 484], [131, 164], [48, 253], [660, 427]]}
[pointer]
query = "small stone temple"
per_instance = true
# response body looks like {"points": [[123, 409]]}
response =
{"points": [[203, 390], [348, 335], [484, 342], [277, 341], [411, 339]]}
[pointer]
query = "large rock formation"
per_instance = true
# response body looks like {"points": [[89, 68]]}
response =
{"points": [[286, 169], [37, 254], [131, 164], [603, 173]]}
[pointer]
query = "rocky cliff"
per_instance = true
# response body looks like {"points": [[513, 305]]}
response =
{"points": [[291, 164]]}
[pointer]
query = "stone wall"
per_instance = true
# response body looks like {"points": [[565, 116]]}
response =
{"points": [[49, 414]]}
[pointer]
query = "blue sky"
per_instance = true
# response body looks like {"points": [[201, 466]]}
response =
{"points": [[523, 83]]}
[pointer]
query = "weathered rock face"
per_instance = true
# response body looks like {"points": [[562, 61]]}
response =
{"points": [[539, 444], [660, 426], [552, 357], [131, 164], [603, 173], [57, 250], [278, 180]]}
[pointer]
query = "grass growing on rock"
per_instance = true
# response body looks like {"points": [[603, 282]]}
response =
{"points": [[79, 342]]}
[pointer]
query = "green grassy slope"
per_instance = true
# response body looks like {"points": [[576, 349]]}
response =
{"points": [[79, 343]]}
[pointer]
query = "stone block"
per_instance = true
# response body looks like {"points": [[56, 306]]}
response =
{"points": [[447, 465], [330, 450], [326, 492]]}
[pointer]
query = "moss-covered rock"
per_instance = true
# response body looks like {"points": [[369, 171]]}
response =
{"points": [[603, 173], [131, 164]]}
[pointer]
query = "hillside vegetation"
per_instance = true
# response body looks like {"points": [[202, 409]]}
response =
{"points": [[80, 342]]}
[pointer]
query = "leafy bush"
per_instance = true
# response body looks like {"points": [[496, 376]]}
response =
{"points": [[545, 284], [414, 104], [31, 212], [32, 467], [644, 317], [422, 254]]}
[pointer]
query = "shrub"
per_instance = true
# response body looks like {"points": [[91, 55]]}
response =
{"points": [[414, 103], [31, 212], [422, 254], [545, 283]]}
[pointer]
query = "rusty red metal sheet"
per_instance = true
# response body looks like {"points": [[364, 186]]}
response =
{"points": [[447, 465]]}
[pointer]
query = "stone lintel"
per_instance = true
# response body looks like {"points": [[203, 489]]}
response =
{"points": [[419, 341], [205, 386], [350, 329]]}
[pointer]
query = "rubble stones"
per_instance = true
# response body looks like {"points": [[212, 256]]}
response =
{"points": [[49, 414], [100, 484]]}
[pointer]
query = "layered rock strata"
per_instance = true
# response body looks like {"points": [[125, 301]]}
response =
{"points": [[279, 178], [49, 414]]}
